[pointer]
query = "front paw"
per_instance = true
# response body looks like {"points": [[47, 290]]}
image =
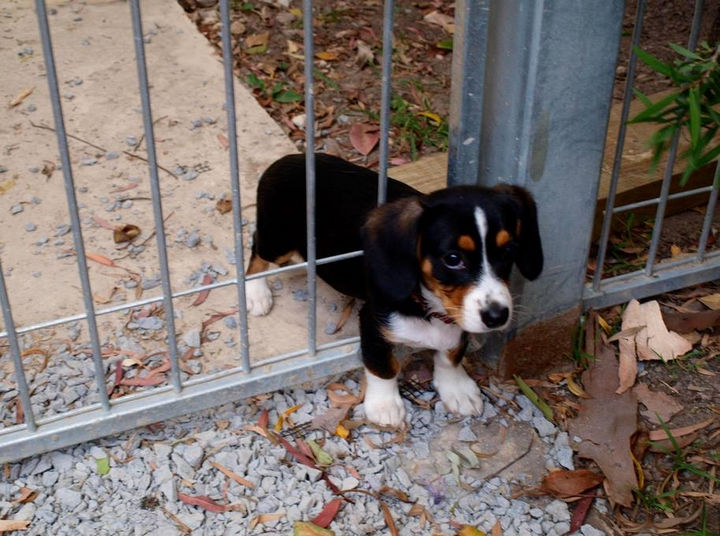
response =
{"points": [[258, 297], [383, 405], [458, 392]]}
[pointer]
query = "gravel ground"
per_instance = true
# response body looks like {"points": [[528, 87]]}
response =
{"points": [[129, 484]]}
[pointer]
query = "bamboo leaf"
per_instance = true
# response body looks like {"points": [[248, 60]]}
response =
{"points": [[685, 52], [654, 63], [694, 102], [648, 113], [534, 398]]}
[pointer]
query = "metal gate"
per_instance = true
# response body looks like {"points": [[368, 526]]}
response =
{"points": [[513, 119]]}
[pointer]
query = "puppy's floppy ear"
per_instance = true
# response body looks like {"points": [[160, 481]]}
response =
{"points": [[390, 241], [529, 258]]}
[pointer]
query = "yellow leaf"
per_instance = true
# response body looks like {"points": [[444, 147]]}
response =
{"points": [[25, 93], [305, 528], [675, 250], [296, 11], [279, 423], [342, 431], [291, 410], [469, 530], [327, 56], [604, 325], [432, 116], [6, 185]]}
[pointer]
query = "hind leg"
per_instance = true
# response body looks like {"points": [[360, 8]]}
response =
{"points": [[258, 295]]}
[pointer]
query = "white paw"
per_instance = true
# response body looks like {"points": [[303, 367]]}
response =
{"points": [[458, 391], [258, 297], [383, 404]]}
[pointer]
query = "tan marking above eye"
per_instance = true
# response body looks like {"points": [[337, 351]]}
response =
{"points": [[502, 238], [466, 242]]}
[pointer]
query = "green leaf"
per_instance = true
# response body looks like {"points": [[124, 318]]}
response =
{"points": [[644, 98], [321, 457], [254, 81], [648, 113], [534, 398], [287, 95], [102, 466], [654, 63], [446, 44], [685, 52], [694, 102]]}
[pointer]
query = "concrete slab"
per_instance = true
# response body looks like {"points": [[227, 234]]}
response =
{"points": [[97, 76]]}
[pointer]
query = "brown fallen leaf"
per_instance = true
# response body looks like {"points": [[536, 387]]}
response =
{"points": [[663, 446], [688, 321], [365, 55], [364, 137], [675, 250], [205, 502], [230, 474], [497, 529], [657, 435], [580, 513], [224, 206], [24, 94], [657, 403], [469, 530], [446, 22], [305, 528], [257, 40], [327, 55], [203, 294], [125, 233], [128, 186], [8, 525], [324, 518], [654, 341], [605, 424], [389, 519], [101, 259], [711, 301], [223, 140], [565, 483], [26, 495], [48, 168], [265, 518]]}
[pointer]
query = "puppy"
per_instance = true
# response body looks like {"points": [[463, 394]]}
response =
{"points": [[435, 267]]}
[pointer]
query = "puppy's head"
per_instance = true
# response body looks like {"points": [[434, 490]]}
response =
{"points": [[457, 246]]}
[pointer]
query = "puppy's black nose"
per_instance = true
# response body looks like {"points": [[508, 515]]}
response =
{"points": [[495, 315]]}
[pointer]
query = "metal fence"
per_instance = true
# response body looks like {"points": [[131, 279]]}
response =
{"points": [[656, 277], [511, 119]]}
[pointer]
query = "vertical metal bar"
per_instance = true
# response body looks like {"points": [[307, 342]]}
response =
{"points": [[235, 181], [615, 176], [386, 94], [72, 201], [310, 174], [667, 178], [709, 212], [155, 188], [467, 89], [16, 355]]}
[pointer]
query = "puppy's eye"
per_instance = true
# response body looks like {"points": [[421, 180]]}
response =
{"points": [[453, 260]]}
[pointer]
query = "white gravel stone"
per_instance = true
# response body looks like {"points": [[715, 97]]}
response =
{"points": [[544, 427], [69, 497], [558, 510], [589, 530]]}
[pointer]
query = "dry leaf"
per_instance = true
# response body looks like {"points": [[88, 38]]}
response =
{"points": [[203, 501], [223, 139], [389, 519], [446, 22], [24, 94], [126, 233], [688, 321], [364, 55], [203, 294], [223, 206], [657, 435], [497, 529], [26, 495], [605, 424], [265, 518], [469, 530], [711, 301], [304, 528], [570, 483], [654, 341], [8, 525], [675, 250], [324, 518], [257, 40], [6, 185], [128, 186], [657, 403], [48, 169], [101, 259], [327, 55], [237, 478], [364, 137], [580, 513]]}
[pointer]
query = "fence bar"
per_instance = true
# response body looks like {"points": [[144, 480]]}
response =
{"points": [[656, 200], [467, 89], [72, 201], [668, 276], [162, 403], [667, 179], [156, 195], [303, 351], [16, 355], [235, 182], [615, 177], [709, 212], [310, 174], [182, 293], [386, 94]]}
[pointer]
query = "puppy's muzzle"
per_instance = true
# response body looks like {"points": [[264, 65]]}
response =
{"points": [[495, 315]]}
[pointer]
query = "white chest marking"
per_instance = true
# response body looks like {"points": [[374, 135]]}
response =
{"points": [[421, 333]]}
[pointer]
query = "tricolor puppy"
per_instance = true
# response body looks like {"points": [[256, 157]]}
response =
{"points": [[435, 266]]}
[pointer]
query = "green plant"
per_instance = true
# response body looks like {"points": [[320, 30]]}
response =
{"points": [[690, 108], [680, 462], [279, 93], [658, 502]]}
